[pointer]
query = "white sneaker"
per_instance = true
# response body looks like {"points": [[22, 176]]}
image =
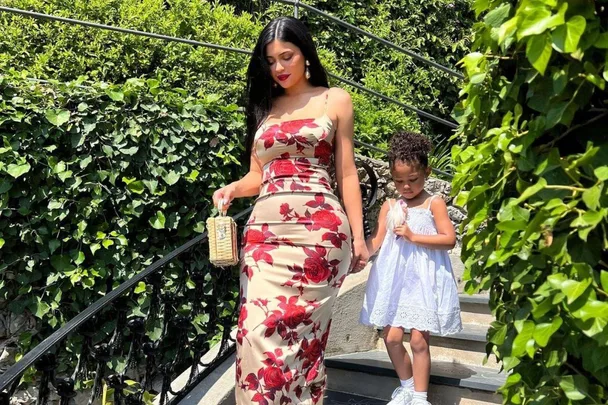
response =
{"points": [[401, 396], [419, 402]]}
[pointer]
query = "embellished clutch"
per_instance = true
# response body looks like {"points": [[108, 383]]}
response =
{"points": [[222, 235]]}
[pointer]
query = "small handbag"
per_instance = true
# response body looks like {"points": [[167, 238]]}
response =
{"points": [[222, 234]]}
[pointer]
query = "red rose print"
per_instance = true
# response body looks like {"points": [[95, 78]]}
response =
{"points": [[252, 381], [294, 316], [285, 210], [325, 219], [254, 236], [319, 202], [314, 350], [294, 126], [283, 168], [323, 152], [336, 238], [316, 269], [273, 378]]}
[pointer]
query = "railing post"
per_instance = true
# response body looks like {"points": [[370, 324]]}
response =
{"points": [[296, 9]]}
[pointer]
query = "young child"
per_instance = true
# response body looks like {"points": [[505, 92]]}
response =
{"points": [[411, 285]]}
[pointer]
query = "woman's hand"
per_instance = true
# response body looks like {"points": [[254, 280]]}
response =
{"points": [[224, 194], [360, 256]]}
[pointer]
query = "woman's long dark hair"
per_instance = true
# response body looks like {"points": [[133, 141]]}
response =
{"points": [[260, 84]]}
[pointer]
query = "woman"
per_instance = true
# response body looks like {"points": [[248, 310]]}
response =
{"points": [[299, 243]]}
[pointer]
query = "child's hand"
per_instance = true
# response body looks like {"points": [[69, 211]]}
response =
{"points": [[404, 231]]}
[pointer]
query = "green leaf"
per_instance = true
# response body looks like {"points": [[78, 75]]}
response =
{"points": [[199, 227], [141, 287], [604, 280], [54, 245], [574, 387], [62, 263], [538, 51], [540, 19], [129, 151], [171, 178], [57, 117], [507, 30], [94, 247], [602, 41], [496, 17], [17, 170], [63, 176], [591, 196], [561, 112], [530, 191], [136, 187], [1, 243], [157, 221], [480, 6], [574, 289], [115, 95], [601, 173], [84, 163], [42, 308], [589, 218], [567, 36], [521, 340], [107, 243], [79, 258], [544, 331]]}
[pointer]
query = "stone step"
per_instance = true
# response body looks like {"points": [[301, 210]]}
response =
{"points": [[474, 309], [466, 347], [371, 374], [343, 398]]}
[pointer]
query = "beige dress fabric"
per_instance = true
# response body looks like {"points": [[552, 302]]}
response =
{"points": [[296, 253]]}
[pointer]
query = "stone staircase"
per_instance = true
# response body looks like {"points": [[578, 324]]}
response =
{"points": [[360, 372], [358, 363]]}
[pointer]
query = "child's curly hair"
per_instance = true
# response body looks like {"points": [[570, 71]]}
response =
{"points": [[411, 148]]}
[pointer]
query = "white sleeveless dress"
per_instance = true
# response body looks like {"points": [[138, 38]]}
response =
{"points": [[410, 286]]}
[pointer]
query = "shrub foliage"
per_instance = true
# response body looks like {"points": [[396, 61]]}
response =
{"points": [[532, 172]]}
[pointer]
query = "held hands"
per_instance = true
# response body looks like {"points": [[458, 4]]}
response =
{"points": [[226, 194], [360, 256]]}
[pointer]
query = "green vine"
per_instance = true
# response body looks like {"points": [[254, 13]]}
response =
{"points": [[531, 170]]}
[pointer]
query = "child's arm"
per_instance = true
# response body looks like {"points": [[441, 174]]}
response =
{"points": [[375, 240], [446, 236]]}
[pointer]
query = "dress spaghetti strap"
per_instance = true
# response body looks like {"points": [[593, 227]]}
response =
{"points": [[431, 202]]}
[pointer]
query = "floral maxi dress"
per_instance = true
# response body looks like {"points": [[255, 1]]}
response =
{"points": [[296, 253]]}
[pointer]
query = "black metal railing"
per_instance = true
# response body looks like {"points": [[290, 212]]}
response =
{"points": [[188, 309], [296, 10], [89, 24], [134, 353], [190, 306]]}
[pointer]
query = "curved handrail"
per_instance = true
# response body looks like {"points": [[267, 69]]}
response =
{"points": [[212, 46], [14, 372], [10, 377], [297, 4]]}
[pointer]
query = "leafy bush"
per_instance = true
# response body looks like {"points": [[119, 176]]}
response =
{"points": [[532, 173], [96, 182], [53, 50], [436, 29]]}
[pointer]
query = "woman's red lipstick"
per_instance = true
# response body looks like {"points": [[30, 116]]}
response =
{"points": [[284, 77]]}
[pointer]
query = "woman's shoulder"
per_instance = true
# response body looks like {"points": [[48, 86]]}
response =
{"points": [[338, 94]]}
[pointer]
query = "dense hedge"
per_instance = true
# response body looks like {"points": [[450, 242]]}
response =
{"points": [[532, 173], [436, 28], [97, 182], [54, 50]]}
